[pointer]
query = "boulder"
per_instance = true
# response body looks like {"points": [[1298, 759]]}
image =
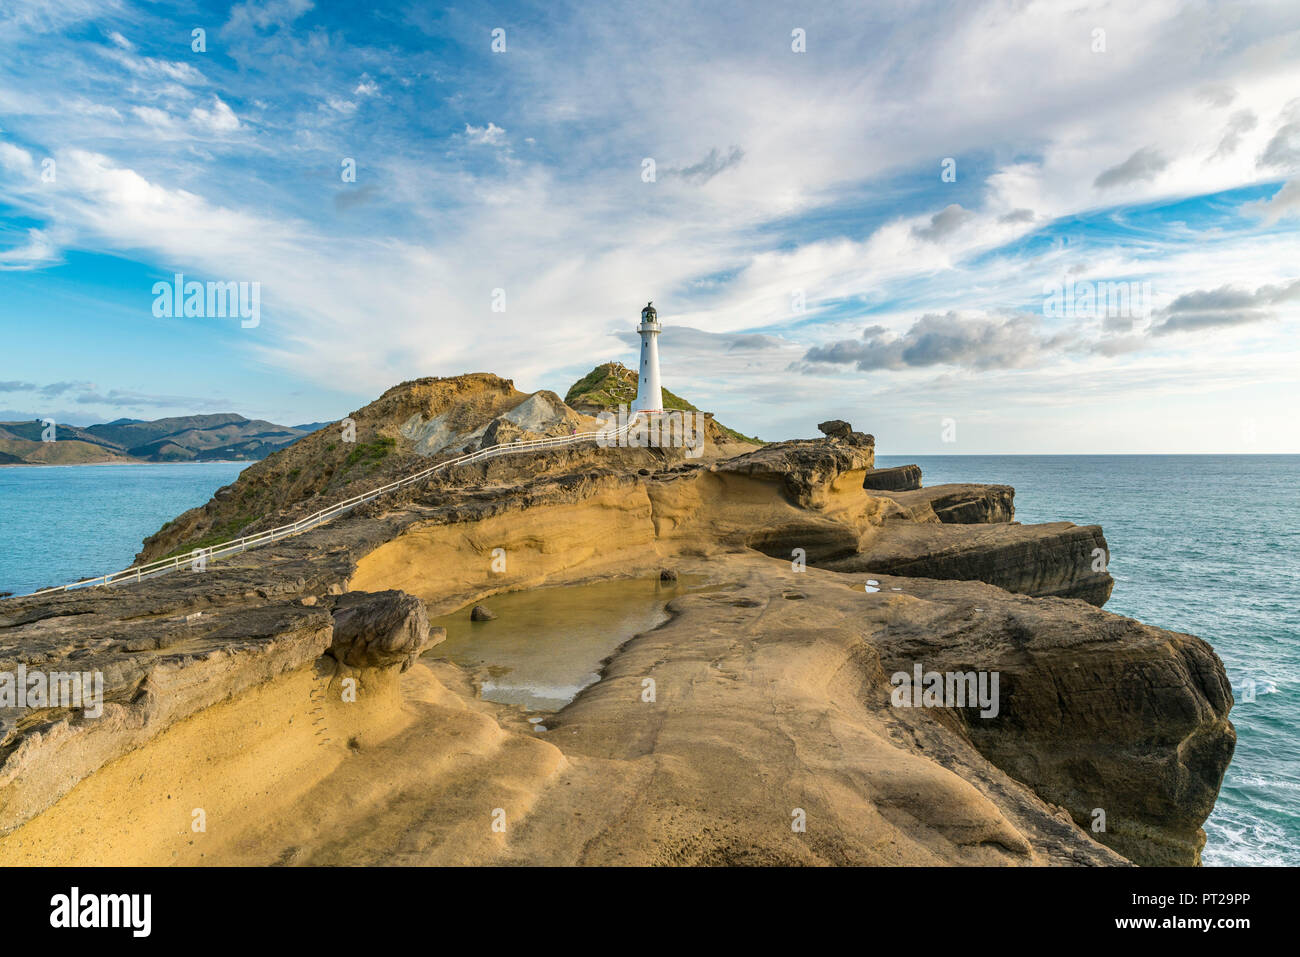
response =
{"points": [[379, 629], [900, 478], [959, 504]]}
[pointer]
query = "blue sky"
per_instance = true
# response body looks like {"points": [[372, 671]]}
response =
{"points": [[806, 252]]}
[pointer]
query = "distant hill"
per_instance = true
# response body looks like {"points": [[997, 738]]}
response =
{"points": [[612, 384], [189, 438]]}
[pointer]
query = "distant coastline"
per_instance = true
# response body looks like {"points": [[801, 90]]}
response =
{"points": [[222, 437], [116, 462]]}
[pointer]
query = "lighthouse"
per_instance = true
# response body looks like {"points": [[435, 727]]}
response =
{"points": [[648, 397]]}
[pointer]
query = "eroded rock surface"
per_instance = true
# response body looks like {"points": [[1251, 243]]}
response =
{"points": [[960, 504], [384, 629], [1058, 559], [773, 684], [900, 478]]}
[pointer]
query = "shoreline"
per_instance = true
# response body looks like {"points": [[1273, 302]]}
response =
{"points": [[77, 465]]}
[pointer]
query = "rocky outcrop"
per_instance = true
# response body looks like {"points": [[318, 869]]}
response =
{"points": [[1098, 713], [773, 684], [959, 504], [747, 680], [407, 429], [805, 470], [897, 479], [1058, 560], [156, 670], [973, 504]]}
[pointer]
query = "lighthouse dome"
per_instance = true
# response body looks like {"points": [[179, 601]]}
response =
{"points": [[648, 314]]}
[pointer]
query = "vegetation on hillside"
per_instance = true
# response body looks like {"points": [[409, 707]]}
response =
{"points": [[613, 384], [322, 468]]}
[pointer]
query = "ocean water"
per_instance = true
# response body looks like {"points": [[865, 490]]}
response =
{"points": [[59, 523], [1203, 544], [1206, 544]]}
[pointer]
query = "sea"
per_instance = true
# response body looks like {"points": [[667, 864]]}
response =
{"points": [[61, 523], [1205, 544]]}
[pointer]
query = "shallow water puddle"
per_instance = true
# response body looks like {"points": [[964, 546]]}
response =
{"points": [[547, 644]]}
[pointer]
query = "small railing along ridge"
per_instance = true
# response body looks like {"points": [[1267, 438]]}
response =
{"points": [[164, 565]]}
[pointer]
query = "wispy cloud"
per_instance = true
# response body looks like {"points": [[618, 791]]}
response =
{"points": [[1141, 166], [714, 164], [521, 172]]}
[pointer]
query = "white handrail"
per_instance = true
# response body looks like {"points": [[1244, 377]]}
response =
{"points": [[163, 565]]}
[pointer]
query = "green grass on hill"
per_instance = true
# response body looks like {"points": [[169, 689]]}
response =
{"points": [[609, 385], [371, 453], [613, 384], [218, 536]]}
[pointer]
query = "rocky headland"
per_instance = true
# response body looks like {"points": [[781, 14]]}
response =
{"points": [[294, 700]]}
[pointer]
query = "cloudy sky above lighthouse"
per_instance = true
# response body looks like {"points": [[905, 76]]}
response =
{"points": [[856, 211]]}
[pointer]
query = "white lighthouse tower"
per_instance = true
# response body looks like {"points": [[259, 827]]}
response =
{"points": [[648, 397]]}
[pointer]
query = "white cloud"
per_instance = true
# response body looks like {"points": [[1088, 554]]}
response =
{"points": [[219, 119], [782, 150], [263, 14], [1284, 204], [38, 250], [15, 159], [490, 135], [154, 116]]}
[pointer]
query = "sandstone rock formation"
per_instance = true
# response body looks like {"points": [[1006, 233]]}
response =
{"points": [[835, 428], [228, 690], [901, 478], [1058, 559], [408, 428]]}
